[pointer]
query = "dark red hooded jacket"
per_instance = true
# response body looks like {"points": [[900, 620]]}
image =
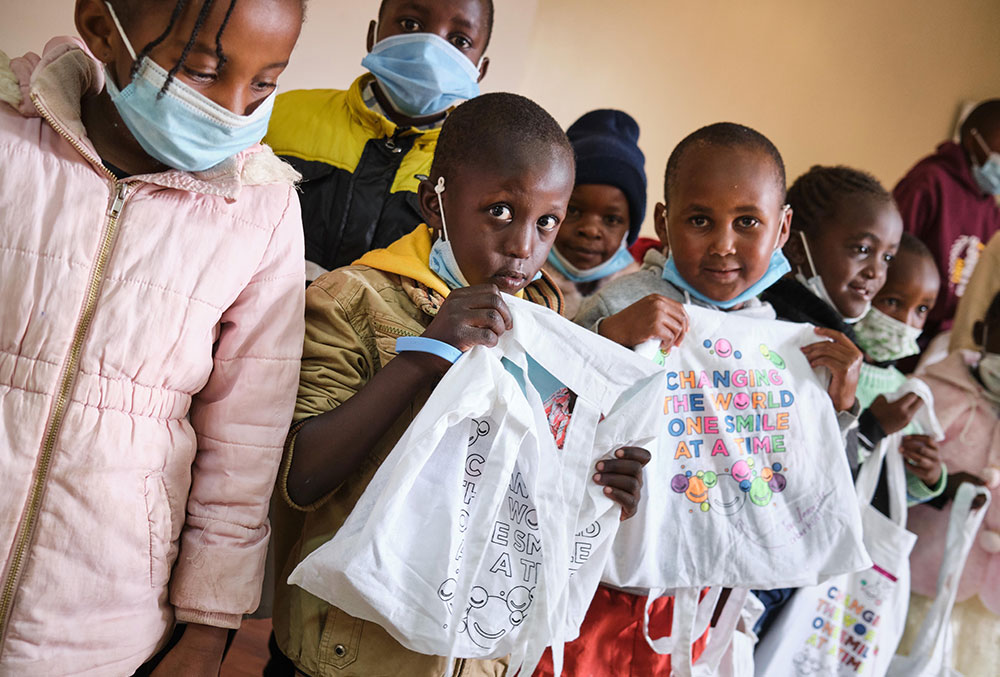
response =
{"points": [[944, 206]]}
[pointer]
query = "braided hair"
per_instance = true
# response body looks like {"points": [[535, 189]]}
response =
{"points": [[816, 196], [203, 14]]}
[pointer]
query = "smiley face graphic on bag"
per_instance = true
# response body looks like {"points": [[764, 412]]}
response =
{"points": [[488, 618]]}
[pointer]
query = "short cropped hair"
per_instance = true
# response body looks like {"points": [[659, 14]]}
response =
{"points": [[911, 244], [485, 128], [726, 135], [816, 195], [487, 5], [984, 118]]}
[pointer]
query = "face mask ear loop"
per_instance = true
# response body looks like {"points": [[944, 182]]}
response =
{"points": [[781, 220], [809, 258], [121, 31], [438, 189], [981, 141]]}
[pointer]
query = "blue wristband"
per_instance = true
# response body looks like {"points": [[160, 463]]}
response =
{"points": [[422, 344]]}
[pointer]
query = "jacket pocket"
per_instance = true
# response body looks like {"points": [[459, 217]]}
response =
{"points": [[158, 520], [341, 639]]}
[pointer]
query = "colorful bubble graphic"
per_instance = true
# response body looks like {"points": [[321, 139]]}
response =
{"points": [[722, 348], [774, 357]]}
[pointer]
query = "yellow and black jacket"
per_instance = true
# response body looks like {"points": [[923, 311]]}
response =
{"points": [[358, 189]]}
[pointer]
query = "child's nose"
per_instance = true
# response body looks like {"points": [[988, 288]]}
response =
{"points": [[590, 226], [235, 99], [520, 241], [723, 243]]}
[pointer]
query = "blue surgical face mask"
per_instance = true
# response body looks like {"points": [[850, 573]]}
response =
{"points": [[987, 175], [776, 268], [442, 259], [619, 261], [422, 74], [182, 128]]}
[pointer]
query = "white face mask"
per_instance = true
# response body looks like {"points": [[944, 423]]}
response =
{"points": [[884, 338], [816, 286]]}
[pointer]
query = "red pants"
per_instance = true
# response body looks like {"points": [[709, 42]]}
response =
{"points": [[611, 640]]}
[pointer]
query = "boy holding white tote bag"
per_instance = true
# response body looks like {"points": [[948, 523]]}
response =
{"points": [[503, 171]]}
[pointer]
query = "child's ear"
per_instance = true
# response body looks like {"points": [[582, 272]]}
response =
{"points": [[660, 225], [429, 207], [796, 253], [95, 27], [978, 332], [370, 42], [483, 67], [785, 229]]}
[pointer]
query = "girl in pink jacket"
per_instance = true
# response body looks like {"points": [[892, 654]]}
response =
{"points": [[966, 387], [150, 332]]}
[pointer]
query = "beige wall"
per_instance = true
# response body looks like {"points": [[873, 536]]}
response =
{"points": [[871, 83]]}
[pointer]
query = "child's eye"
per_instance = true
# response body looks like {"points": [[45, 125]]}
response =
{"points": [[501, 211], [699, 221], [863, 249], [264, 87], [747, 222], [410, 25], [461, 42], [199, 76], [612, 219], [889, 258], [892, 303], [923, 309], [572, 212], [548, 222]]}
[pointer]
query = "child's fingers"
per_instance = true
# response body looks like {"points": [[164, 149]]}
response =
{"points": [[488, 297], [627, 501], [836, 336], [634, 454], [626, 482], [910, 403], [629, 468]]}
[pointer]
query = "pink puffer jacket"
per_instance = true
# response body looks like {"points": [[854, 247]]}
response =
{"points": [[150, 335], [972, 444]]}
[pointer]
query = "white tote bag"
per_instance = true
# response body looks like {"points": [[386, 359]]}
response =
{"points": [[932, 647], [750, 486], [852, 623], [478, 536]]}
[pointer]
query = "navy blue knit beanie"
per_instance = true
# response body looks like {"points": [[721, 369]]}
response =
{"points": [[607, 152]]}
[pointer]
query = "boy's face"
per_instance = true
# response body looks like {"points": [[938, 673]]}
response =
{"points": [[503, 215], [852, 251], [910, 289], [597, 221], [463, 23], [724, 218]]}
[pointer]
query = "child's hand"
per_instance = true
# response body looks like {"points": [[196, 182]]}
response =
{"points": [[922, 458], [955, 480], [471, 316], [894, 416], [621, 478], [843, 359], [653, 316]]}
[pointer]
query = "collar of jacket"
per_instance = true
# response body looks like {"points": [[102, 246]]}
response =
{"points": [[409, 255], [53, 85], [373, 120], [956, 162]]}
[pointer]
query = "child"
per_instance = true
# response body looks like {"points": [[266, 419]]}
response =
{"points": [[966, 387], [359, 150], [724, 220], [847, 229], [888, 333], [948, 200], [606, 208], [503, 173], [150, 324]]}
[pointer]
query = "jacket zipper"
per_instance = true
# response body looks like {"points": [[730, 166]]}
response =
{"points": [[394, 331], [27, 526]]}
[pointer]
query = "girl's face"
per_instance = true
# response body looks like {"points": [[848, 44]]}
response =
{"points": [[725, 218], [503, 216], [910, 289], [257, 42], [597, 221], [852, 251]]}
